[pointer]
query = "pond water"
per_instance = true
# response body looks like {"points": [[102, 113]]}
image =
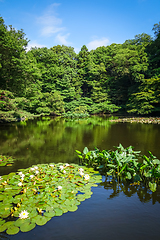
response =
{"points": [[113, 211]]}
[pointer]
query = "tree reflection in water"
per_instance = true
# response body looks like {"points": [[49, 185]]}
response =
{"points": [[144, 194]]}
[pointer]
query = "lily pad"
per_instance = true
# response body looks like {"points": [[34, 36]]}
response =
{"points": [[72, 208], [58, 212], [26, 227], [13, 230], [49, 214], [3, 228], [41, 220], [38, 193]]}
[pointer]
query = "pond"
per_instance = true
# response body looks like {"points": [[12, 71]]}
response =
{"points": [[113, 211]]}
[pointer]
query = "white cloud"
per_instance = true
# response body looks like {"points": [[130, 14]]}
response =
{"points": [[97, 43], [77, 50], [34, 44], [49, 22], [62, 39]]}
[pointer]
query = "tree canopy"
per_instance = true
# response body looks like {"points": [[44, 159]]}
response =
{"points": [[118, 77]]}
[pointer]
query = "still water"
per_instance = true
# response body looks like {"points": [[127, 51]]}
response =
{"points": [[113, 211]]}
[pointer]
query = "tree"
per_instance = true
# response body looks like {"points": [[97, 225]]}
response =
{"points": [[154, 53], [147, 99], [13, 62]]}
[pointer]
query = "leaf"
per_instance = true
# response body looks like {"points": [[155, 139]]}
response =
{"points": [[3, 228], [72, 208], [152, 186], [40, 220], [78, 152], [128, 175], [49, 214], [156, 161], [85, 151], [111, 165], [13, 230], [26, 227], [58, 212], [137, 178]]}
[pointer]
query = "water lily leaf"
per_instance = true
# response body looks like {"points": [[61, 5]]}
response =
{"points": [[33, 213], [19, 222], [2, 222], [41, 220], [87, 196], [3, 228], [26, 227], [80, 197], [64, 209], [16, 213], [49, 214], [13, 230], [5, 213], [9, 224], [38, 194], [94, 185], [58, 212], [72, 208]]}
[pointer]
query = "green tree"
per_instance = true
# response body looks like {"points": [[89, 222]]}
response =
{"points": [[147, 99], [14, 74]]}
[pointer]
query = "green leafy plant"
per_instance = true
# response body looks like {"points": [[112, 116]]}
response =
{"points": [[6, 161], [34, 195], [124, 165]]}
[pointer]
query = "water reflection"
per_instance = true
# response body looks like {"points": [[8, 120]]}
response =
{"points": [[144, 195], [41, 141], [132, 210]]}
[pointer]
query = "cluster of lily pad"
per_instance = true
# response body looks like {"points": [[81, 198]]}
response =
{"points": [[5, 161], [34, 195], [138, 120]]}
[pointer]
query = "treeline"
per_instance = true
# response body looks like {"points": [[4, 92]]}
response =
{"points": [[120, 77]]}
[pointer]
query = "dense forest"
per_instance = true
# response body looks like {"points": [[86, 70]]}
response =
{"points": [[116, 78]]}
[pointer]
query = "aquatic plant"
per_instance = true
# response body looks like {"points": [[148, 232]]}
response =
{"points": [[153, 120], [6, 161], [34, 195], [124, 165]]}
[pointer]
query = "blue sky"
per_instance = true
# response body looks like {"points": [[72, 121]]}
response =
{"points": [[75, 23]]}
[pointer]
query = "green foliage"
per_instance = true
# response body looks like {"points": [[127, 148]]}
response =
{"points": [[6, 161], [147, 99], [104, 107], [33, 196], [57, 80], [123, 164]]}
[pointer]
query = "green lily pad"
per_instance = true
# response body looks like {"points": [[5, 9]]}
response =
{"points": [[26, 227], [49, 192], [58, 212], [41, 220], [13, 230], [2, 222], [49, 214], [3, 228], [72, 208], [80, 197], [64, 209]]}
